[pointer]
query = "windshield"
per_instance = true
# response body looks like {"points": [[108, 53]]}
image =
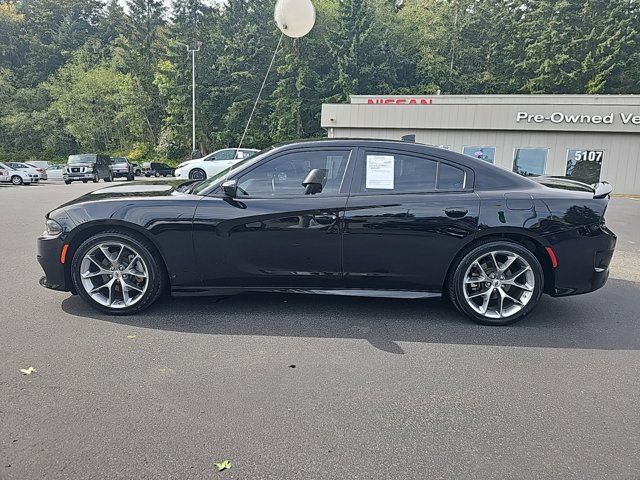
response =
{"points": [[86, 158], [214, 180]]}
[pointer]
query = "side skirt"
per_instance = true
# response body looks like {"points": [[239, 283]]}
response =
{"points": [[350, 292]]}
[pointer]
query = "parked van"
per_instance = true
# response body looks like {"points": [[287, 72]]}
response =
{"points": [[88, 166]]}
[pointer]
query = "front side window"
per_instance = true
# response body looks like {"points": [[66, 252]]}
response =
{"points": [[530, 162], [584, 164], [283, 176], [402, 173], [488, 154]]}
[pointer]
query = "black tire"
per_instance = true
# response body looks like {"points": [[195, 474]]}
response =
{"points": [[17, 180], [109, 178], [197, 174], [157, 174], [83, 181], [68, 182], [138, 173], [455, 282], [96, 178], [130, 177], [157, 275]]}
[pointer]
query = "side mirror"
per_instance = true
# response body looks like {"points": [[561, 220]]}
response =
{"points": [[314, 181], [230, 188]]}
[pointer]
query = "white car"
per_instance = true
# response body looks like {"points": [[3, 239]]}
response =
{"points": [[212, 164], [30, 169], [15, 176], [55, 171]]}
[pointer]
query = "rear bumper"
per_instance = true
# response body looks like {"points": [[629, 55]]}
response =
{"points": [[584, 255], [49, 250]]}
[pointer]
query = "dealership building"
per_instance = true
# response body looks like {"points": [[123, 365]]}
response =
{"points": [[587, 137]]}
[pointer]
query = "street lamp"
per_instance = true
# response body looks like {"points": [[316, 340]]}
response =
{"points": [[193, 51]]}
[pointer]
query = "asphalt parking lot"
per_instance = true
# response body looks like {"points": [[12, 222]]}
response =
{"points": [[306, 387]]}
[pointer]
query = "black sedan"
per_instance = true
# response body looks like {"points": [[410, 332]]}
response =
{"points": [[347, 217]]}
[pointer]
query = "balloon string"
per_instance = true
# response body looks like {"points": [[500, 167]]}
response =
{"points": [[260, 92]]}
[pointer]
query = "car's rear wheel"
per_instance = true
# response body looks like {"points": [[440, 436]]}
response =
{"points": [[68, 182], [197, 174], [157, 174], [96, 177], [117, 273], [109, 178], [497, 283], [130, 177], [17, 180]]}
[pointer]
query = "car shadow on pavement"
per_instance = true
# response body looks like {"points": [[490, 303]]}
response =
{"points": [[607, 319]]}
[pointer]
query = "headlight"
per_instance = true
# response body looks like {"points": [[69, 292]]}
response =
{"points": [[181, 165], [52, 228]]}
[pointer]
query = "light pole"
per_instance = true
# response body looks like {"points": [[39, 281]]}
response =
{"points": [[193, 51]]}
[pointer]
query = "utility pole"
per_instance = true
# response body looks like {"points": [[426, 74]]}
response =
{"points": [[193, 51]]}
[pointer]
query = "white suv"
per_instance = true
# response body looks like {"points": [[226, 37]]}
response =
{"points": [[212, 164]]}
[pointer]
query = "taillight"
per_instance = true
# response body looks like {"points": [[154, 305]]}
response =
{"points": [[39, 170]]}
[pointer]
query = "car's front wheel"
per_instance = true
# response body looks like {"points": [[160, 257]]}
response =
{"points": [[117, 273], [17, 180], [497, 283], [197, 174], [96, 177]]}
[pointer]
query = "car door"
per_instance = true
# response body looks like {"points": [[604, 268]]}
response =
{"points": [[407, 216], [219, 161], [273, 235]]}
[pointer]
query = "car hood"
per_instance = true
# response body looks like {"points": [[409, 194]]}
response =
{"points": [[133, 191]]}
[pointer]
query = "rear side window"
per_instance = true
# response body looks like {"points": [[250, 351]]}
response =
{"points": [[385, 172], [450, 178]]}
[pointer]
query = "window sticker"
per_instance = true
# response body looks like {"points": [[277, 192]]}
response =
{"points": [[380, 172]]}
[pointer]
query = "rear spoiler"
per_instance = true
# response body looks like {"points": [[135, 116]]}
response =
{"points": [[602, 189], [599, 190]]}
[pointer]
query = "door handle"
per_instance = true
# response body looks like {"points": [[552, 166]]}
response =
{"points": [[455, 212], [325, 219]]}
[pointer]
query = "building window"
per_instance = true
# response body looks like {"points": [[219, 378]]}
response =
{"points": [[488, 154], [530, 162], [584, 165]]}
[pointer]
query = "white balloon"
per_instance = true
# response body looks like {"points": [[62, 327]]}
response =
{"points": [[295, 18]]}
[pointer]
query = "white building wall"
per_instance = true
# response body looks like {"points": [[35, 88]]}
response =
{"points": [[493, 121]]}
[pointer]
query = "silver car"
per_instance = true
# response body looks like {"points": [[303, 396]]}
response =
{"points": [[54, 172], [15, 176], [32, 171]]}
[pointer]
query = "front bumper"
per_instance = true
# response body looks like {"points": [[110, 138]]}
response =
{"points": [[77, 176], [55, 274], [584, 255]]}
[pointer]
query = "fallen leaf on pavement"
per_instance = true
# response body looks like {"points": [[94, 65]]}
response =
{"points": [[27, 371], [223, 465], [131, 337]]}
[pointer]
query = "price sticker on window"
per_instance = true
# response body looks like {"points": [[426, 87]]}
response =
{"points": [[380, 172]]}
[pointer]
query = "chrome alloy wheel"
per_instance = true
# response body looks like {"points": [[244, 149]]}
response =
{"points": [[498, 284], [114, 275]]}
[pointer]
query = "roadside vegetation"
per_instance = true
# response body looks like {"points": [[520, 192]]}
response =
{"points": [[85, 76]]}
